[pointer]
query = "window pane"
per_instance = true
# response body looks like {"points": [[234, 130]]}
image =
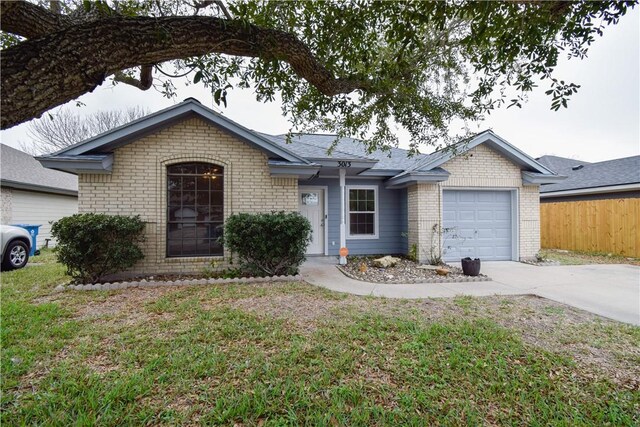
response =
{"points": [[203, 183], [189, 183], [217, 198], [188, 198], [216, 213], [217, 183], [202, 198], [353, 224], [310, 199], [362, 223], [189, 247], [175, 197], [371, 206], [174, 183]]}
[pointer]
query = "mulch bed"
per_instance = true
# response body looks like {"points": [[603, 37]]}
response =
{"points": [[405, 271]]}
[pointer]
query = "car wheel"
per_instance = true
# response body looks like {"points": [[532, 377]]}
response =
{"points": [[16, 255]]}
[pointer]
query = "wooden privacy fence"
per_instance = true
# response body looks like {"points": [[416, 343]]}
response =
{"points": [[610, 226]]}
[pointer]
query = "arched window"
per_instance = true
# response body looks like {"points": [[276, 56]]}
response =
{"points": [[195, 209]]}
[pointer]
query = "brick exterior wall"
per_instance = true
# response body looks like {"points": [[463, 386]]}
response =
{"points": [[137, 185], [480, 167], [7, 205]]}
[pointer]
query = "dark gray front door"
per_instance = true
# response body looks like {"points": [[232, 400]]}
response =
{"points": [[480, 223]]}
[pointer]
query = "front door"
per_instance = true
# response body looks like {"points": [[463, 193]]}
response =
{"points": [[311, 201]]}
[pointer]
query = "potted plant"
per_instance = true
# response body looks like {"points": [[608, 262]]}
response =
{"points": [[470, 267]]}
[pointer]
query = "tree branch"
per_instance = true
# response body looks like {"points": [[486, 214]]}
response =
{"points": [[29, 20], [223, 8], [145, 81], [42, 73]]}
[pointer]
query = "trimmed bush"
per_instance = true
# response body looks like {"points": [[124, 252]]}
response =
{"points": [[268, 243], [92, 246]]}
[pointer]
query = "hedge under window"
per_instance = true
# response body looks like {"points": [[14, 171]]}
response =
{"points": [[195, 209], [362, 212]]}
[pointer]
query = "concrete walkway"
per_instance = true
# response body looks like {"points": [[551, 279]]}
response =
{"points": [[610, 290]]}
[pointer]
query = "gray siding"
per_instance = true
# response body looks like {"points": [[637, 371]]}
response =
{"points": [[392, 216]]}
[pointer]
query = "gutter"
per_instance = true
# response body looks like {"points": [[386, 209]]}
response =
{"points": [[38, 188], [592, 190]]}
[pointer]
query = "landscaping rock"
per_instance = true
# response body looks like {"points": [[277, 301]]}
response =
{"points": [[385, 262], [405, 271], [442, 271]]}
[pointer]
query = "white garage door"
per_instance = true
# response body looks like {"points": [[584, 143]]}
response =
{"points": [[30, 207], [478, 225]]}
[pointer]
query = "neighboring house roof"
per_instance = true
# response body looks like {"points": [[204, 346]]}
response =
{"points": [[609, 175], [21, 171], [304, 156]]}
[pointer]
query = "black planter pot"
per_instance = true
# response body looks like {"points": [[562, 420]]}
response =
{"points": [[470, 267]]}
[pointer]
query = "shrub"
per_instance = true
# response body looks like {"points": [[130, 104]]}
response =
{"points": [[268, 243], [94, 245]]}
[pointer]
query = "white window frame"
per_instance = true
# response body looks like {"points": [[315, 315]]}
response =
{"points": [[376, 213]]}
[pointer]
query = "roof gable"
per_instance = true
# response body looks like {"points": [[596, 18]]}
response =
{"points": [[122, 135], [491, 140]]}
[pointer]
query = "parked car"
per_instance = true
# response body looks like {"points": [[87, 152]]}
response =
{"points": [[15, 243]]}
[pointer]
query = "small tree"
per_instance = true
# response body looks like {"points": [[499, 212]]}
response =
{"points": [[94, 245], [268, 243]]}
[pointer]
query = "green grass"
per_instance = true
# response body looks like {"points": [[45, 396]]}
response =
{"points": [[238, 354]]}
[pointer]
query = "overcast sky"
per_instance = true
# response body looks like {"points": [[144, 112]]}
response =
{"points": [[601, 123]]}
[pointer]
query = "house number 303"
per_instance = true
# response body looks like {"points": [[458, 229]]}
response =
{"points": [[344, 164]]}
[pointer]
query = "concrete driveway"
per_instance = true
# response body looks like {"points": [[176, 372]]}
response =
{"points": [[610, 290]]}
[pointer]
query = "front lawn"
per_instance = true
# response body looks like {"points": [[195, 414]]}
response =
{"points": [[273, 354]]}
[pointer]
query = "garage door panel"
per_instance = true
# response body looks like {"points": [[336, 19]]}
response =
{"points": [[485, 198], [485, 234], [503, 215], [466, 198], [466, 215], [462, 234], [485, 215], [480, 224], [448, 216], [503, 234]]}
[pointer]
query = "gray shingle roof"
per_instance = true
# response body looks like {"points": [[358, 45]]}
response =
{"points": [[20, 169], [316, 146], [590, 175]]}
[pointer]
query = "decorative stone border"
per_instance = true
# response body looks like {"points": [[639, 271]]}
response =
{"points": [[112, 286], [443, 279]]}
